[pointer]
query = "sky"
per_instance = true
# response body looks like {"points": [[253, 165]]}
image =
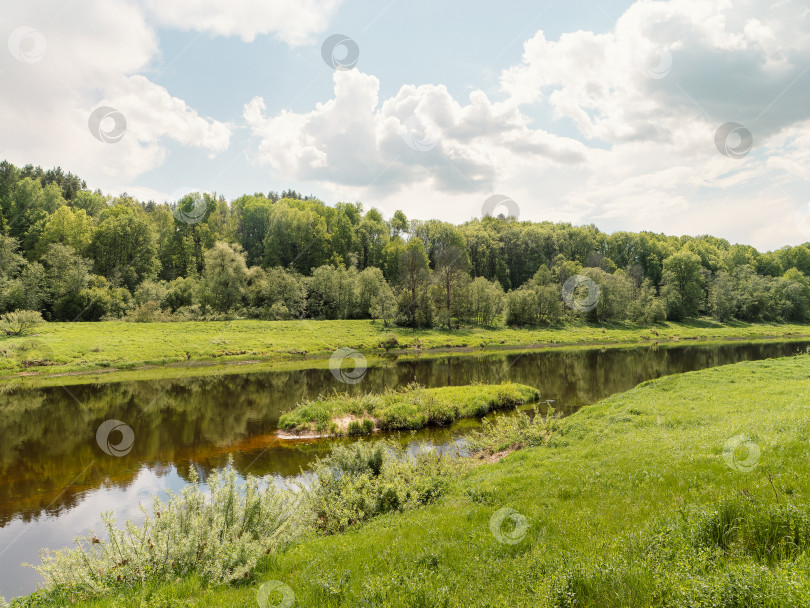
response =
{"points": [[675, 116]]}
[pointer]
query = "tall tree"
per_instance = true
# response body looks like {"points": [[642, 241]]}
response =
{"points": [[224, 279], [452, 264], [124, 247], [414, 274], [68, 227], [682, 285]]}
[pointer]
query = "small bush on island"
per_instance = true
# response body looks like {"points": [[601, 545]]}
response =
{"points": [[358, 428]]}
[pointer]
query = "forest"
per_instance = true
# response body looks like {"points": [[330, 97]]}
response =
{"points": [[74, 254]]}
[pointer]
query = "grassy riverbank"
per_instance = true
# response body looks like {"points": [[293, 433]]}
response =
{"points": [[76, 353], [412, 408], [691, 490]]}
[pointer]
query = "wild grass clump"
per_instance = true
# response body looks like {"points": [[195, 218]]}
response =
{"points": [[739, 526], [359, 428], [410, 408], [513, 432], [364, 480], [218, 536], [743, 552]]}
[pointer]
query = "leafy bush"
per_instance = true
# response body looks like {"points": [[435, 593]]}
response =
{"points": [[364, 480], [148, 312], [219, 538], [516, 432], [389, 341], [19, 322]]}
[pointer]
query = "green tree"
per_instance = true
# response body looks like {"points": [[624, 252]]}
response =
{"points": [[277, 290], [414, 275], [682, 285], [31, 206], [399, 224], [67, 274], [370, 289], [180, 293], [722, 301], [100, 299], [486, 301], [68, 227], [124, 247], [373, 235], [224, 279], [332, 293], [452, 264], [296, 238], [29, 291]]}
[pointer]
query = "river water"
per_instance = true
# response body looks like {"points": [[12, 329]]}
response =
{"points": [[56, 480]]}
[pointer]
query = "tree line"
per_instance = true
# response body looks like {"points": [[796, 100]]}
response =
{"points": [[78, 255]]}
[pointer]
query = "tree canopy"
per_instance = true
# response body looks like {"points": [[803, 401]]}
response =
{"points": [[75, 254]]}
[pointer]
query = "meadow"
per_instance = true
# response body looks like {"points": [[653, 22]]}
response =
{"points": [[690, 490]]}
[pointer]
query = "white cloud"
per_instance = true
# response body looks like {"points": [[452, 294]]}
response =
{"points": [[741, 61], [646, 100], [293, 22], [730, 61], [421, 135], [94, 51]]}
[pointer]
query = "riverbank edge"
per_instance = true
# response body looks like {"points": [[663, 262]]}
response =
{"points": [[373, 359]]}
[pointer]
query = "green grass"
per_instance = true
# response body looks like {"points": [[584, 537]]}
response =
{"points": [[631, 502], [84, 353], [411, 408]]}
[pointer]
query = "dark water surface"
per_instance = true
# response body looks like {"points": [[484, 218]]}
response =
{"points": [[55, 480]]}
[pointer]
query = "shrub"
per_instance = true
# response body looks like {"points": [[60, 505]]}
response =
{"points": [[389, 341], [148, 312], [517, 432], [19, 322], [364, 480], [220, 538]]}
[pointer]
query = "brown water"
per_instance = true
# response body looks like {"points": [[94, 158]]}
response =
{"points": [[55, 480]]}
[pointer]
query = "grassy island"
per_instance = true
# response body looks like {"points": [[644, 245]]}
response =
{"points": [[412, 408]]}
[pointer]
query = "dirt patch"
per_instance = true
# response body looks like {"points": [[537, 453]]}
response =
{"points": [[497, 456], [342, 424], [293, 436]]}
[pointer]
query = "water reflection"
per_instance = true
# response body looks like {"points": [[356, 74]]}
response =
{"points": [[55, 480]]}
